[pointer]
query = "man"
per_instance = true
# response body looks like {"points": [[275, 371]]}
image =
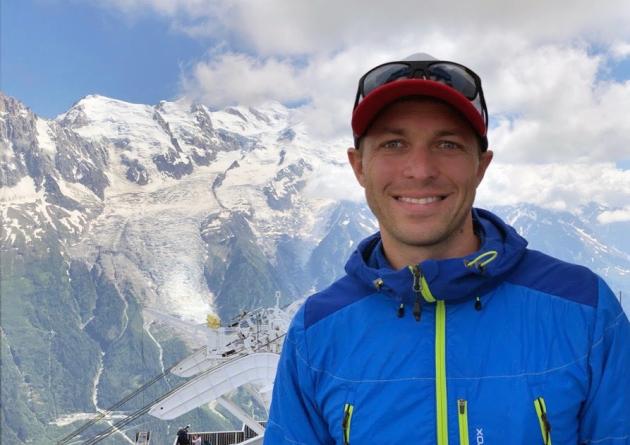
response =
{"points": [[446, 328], [182, 436]]}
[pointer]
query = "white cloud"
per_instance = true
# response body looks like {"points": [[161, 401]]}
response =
{"points": [[300, 27], [558, 186], [337, 182], [613, 216], [550, 105], [230, 79], [620, 50], [192, 9]]}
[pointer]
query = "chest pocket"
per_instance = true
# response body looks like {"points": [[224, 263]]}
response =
{"points": [[535, 408]]}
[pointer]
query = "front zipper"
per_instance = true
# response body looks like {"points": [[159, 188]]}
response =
{"points": [[347, 420], [462, 418], [421, 289], [543, 420]]}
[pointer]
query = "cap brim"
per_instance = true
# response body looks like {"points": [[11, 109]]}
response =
{"points": [[384, 95]]}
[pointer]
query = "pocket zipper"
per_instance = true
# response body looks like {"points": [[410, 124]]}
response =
{"points": [[462, 417], [543, 420], [347, 420]]}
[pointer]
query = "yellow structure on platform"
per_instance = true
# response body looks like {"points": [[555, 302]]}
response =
{"points": [[213, 321]]}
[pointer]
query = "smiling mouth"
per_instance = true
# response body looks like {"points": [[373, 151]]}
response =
{"points": [[420, 201]]}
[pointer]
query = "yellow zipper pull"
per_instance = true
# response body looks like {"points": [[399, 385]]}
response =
{"points": [[345, 424], [545, 425], [462, 417]]}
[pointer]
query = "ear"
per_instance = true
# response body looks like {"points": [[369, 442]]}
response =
{"points": [[484, 161], [355, 158]]}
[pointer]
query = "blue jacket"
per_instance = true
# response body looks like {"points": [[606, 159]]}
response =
{"points": [[505, 346]]}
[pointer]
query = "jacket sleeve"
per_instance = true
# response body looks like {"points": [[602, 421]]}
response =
{"points": [[605, 417], [294, 418]]}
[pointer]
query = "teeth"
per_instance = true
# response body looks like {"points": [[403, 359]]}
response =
{"points": [[428, 200]]}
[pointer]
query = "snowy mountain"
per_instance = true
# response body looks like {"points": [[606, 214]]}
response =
{"points": [[576, 238], [122, 223], [117, 217], [156, 186]]}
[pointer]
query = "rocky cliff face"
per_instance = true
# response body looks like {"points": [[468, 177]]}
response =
{"points": [[114, 208], [114, 214]]}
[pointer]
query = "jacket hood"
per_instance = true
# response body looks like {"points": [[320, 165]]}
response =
{"points": [[448, 279]]}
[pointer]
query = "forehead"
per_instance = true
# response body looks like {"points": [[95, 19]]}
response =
{"points": [[420, 112]]}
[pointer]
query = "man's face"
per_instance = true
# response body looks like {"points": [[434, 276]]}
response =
{"points": [[420, 165]]}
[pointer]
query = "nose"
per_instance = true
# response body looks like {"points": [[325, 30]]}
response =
{"points": [[420, 163]]}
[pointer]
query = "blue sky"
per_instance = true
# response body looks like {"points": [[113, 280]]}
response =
{"points": [[556, 74], [54, 53]]}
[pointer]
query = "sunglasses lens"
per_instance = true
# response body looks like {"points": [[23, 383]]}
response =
{"points": [[384, 74], [454, 76]]}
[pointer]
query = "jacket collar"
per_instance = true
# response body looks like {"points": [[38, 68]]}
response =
{"points": [[449, 279]]}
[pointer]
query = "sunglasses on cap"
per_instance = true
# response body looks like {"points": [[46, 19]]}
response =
{"points": [[458, 77]]}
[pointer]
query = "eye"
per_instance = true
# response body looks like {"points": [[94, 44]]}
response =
{"points": [[449, 145], [392, 144]]}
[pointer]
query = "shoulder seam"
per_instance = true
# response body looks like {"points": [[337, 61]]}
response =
{"points": [[549, 294]]}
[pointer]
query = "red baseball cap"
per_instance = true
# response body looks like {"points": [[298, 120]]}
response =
{"points": [[420, 75]]}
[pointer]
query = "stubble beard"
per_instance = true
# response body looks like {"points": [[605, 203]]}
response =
{"points": [[439, 236]]}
